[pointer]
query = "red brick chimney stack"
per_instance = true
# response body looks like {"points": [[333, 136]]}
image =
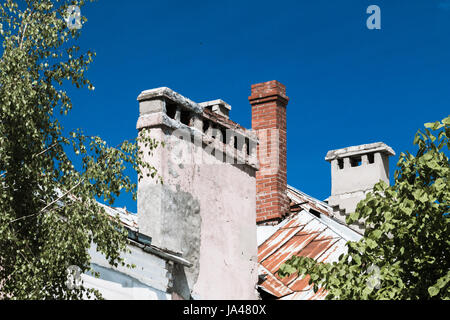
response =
{"points": [[269, 101]]}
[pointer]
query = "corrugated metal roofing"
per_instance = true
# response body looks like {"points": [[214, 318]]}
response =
{"points": [[128, 219], [301, 200], [303, 233]]}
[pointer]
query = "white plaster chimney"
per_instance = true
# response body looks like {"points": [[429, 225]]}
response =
{"points": [[354, 172], [206, 209]]}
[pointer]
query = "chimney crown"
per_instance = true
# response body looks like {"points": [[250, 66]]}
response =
{"points": [[268, 91], [359, 150]]}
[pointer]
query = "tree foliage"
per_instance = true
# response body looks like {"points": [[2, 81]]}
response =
{"points": [[405, 251], [50, 179]]}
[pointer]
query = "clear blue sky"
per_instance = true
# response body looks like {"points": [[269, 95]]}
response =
{"points": [[347, 85]]}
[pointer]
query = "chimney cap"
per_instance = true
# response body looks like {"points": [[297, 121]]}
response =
{"points": [[219, 102], [218, 106], [268, 91], [361, 149], [169, 94]]}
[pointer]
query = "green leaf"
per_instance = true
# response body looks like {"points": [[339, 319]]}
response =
{"points": [[376, 234], [433, 291], [371, 243], [446, 121]]}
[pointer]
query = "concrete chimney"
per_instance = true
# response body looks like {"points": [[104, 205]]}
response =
{"points": [[218, 106], [269, 101], [205, 210], [354, 172]]}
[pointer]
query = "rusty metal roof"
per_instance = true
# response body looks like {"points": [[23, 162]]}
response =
{"points": [[308, 231], [300, 200]]}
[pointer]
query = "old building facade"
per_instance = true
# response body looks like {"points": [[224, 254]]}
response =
{"points": [[225, 219]]}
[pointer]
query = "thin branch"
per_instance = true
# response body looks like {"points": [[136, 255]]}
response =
{"points": [[25, 29], [44, 151], [50, 204], [35, 155], [23, 36]]}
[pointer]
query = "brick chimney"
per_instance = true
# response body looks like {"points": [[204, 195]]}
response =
{"points": [[268, 101]]}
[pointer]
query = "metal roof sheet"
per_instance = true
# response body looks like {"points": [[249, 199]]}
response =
{"points": [[304, 201], [127, 218], [306, 295], [309, 231]]}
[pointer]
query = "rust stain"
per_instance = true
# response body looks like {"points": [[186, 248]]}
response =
{"points": [[285, 252], [335, 250], [287, 279], [292, 223], [275, 241], [316, 248], [297, 221], [300, 284], [275, 287]]}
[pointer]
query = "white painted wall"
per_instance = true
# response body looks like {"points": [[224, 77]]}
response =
{"points": [[149, 280], [115, 285]]}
